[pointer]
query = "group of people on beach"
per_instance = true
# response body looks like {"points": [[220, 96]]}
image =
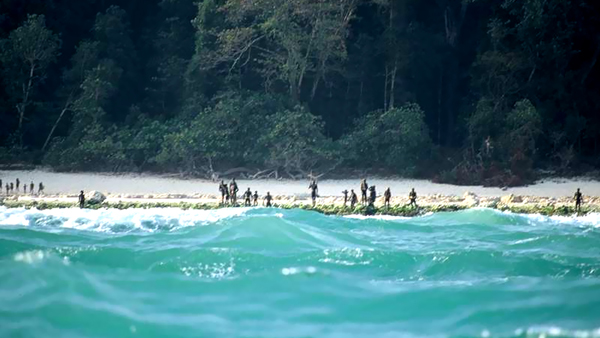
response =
{"points": [[229, 195], [15, 187], [369, 195]]}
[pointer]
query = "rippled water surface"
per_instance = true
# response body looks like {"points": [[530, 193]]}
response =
{"points": [[275, 273]]}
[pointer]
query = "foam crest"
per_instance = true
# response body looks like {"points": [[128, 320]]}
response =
{"points": [[588, 220], [553, 331], [114, 220], [377, 217]]}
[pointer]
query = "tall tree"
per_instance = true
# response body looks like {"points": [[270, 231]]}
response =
{"points": [[27, 53], [284, 42]]}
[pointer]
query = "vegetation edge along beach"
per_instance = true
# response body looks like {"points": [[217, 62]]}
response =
{"points": [[327, 209]]}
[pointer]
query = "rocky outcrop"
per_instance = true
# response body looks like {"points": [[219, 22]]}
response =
{"points": [[491, 202], [471, 199], [509, 199], [95, 197]]}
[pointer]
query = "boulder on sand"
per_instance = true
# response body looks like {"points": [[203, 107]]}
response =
{"points": [[508, 199], [95, 197], [491, 202], [471, 199]]}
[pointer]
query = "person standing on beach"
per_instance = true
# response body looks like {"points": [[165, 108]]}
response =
{"points": [[387, 195], [363, 188], [268, 199], [25, 189], [0, 186], [373, 196], [314, 190], [81, 200], [255, 197], [247, 197], [233, 190], [40, 188], [224, 191], [12, 187], [31, 187], [413, 198], [18, 184], [345, 192], [7, 188], [353, 199], [578, 199]]}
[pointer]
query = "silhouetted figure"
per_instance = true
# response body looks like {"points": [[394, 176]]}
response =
{"points": [[387, 195], [7, 189], [345, 192], [314, 190], [487, 146], [578, 199], [31, 187], [224, 192], [255, 198], [247, 198], [40, 188], [1, 186], [25, 189], [363, 188], [12, 187], [268, 199], [373, 195], [353, 199], [18, 184], [413, 198], [233, 190], [81, 200]]}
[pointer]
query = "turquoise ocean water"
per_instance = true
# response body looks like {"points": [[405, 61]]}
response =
{"points": [[275, 273]]}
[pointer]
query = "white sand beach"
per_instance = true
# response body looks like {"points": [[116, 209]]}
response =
{"points": [[132, 184]]}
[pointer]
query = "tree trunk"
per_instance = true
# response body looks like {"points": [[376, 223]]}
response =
{"points": [[26, 92], [453, 27], [393, 85], [306, 56], [62, 113], [320, 74], [592, 64], [450, 104], [440, 93], [360, 95], [294, 90], [385, 91]]}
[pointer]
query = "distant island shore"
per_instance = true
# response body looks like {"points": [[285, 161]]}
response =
{"points": [[552, 196]]}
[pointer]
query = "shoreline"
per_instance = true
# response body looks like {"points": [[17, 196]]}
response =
{"points": [[328, 205], [550, 196]]}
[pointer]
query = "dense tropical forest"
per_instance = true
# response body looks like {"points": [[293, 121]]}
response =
{"points": [[464, 91]]}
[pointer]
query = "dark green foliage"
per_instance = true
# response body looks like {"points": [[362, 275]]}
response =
{"points": [[295, 142], [397, 138], [486, 91]]}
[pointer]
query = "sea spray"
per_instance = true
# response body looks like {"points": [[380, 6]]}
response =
{"points": [[257, 272]]}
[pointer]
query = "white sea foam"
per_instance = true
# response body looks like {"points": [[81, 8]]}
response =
{"points": [[379, 217], [592, 219], [309, 270], [526, 240], [553, 331], [30, 257], [113, 220]]}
